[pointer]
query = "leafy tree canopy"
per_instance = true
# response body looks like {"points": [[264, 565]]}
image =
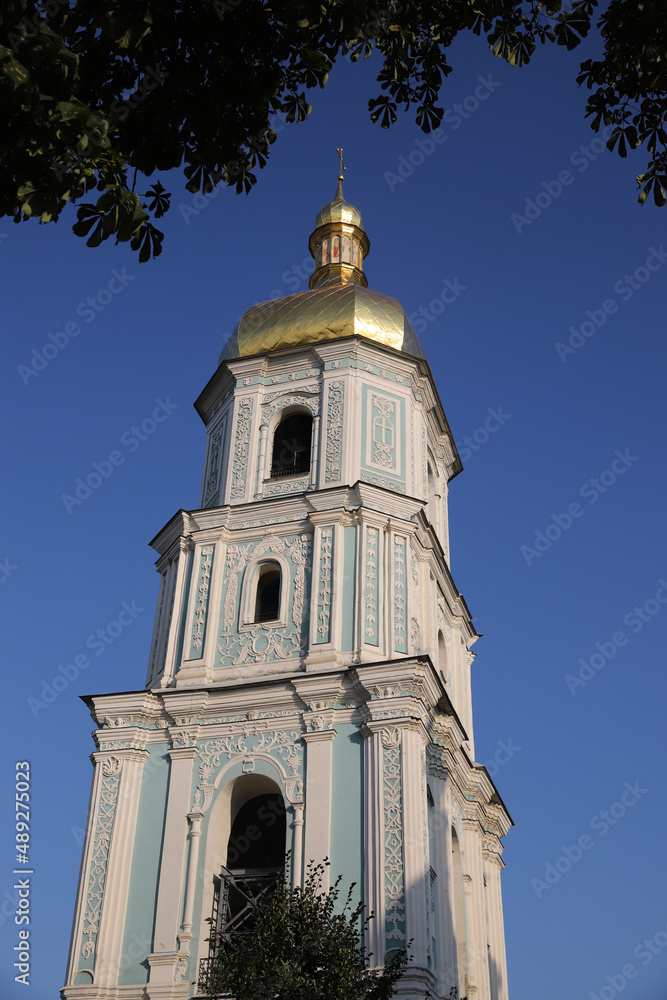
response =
{"points": [[300, 944], [97, 95]]}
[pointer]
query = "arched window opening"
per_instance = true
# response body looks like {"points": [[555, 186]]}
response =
{"points": [[267, 597], [291, 446], [255, 858], [257, 838]]}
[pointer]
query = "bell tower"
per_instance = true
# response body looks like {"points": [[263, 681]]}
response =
{"points": [[308, 686]]}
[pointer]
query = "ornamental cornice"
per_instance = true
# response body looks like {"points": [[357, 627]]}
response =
{"points": [[186, 543], [183, 753], [183, 736], [291, 390], [317, 735], [183, 708], [111, 760], [134, 740], [493, 858], [118, 711], [372, 726]]}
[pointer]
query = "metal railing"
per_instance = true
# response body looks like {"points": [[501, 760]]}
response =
{"points": [[236, 896]]}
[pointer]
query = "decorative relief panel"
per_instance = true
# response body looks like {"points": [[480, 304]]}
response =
{"points": [[284, 746], [383, 419], [212, 486], [387, 484], [311, 402], [106, 813], [335, 408], [265, 641], [371, 612], [198, 630], [324, 587], [400, 596], [415, 603], [383, 448], [288, 486], [415, 636], [270, 396], [241, 444], [394, 879]]}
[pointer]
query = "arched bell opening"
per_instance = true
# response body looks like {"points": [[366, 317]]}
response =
{"points": [[248, 841], [255, 848], [292, 440]]}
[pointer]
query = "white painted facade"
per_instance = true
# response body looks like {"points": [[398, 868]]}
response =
{"points": [[353, 701]]}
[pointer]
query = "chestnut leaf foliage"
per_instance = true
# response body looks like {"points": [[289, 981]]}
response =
{"points": [[302, 944], [97, 96]]}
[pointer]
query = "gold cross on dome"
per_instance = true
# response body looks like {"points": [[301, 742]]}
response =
{"points": [[342, 165]]}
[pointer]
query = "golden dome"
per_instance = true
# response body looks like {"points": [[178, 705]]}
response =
{"points": [[338, 304], [339, 211], [328, 313]]}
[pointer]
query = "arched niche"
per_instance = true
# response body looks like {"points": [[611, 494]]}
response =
{"points": [[234, 793]]}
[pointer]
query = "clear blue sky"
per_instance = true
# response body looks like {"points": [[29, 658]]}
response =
{"points": [[67, 574]]}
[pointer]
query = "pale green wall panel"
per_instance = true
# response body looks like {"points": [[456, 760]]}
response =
{"points": [[146, 856], [347, 816]]}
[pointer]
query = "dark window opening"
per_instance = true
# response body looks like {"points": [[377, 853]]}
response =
{"points": [[267, 601], [255, 862], [291, 446]]}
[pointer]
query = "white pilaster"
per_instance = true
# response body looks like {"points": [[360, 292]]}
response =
{"points": [[317, 838], [179, 609], [414, 837], [173, 860], [117, 882], [442, 838], [373, 861], [496, 929]]}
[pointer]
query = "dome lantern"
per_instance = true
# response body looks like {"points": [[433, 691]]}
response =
{"points": [[339, 244]]}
